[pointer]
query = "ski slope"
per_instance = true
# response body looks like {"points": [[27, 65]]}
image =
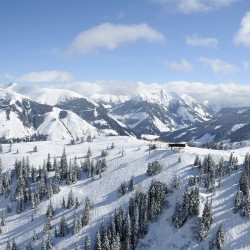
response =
{"points": [[104, 198]]}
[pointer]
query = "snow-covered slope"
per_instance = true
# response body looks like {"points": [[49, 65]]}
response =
{"points": [[104, 198], [23, 118], [230, 124], [109, 100], [60, 125], [153, 113], [50, 96]]}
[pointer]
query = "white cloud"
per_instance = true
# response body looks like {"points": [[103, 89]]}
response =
{"points": [[190, 6], [110, 36], [243, 34], [183, 65], [218, 66], [46, 76], [236, 94], [195, 40]]}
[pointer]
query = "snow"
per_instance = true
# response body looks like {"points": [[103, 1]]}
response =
{"points": [[102, 192], [205, 138], [50, 96], [109, 99], [217, 127], [72, 126], [184, 114], [237, 126], [160, 125]]}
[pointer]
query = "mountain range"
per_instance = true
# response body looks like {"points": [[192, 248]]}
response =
{"points": [[33, 113]]}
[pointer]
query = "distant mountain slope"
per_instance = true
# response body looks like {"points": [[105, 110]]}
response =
{"points": [[160, 112], [230, 124], [96, 115], [23, 118]]}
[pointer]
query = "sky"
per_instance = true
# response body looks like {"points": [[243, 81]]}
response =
{"points": [[108, 44]]}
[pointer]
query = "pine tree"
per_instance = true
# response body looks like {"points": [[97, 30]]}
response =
{"points": [[48, 164], [76, 224], [14, 245], [177, 216], [63, 227], [106, 242], [237, 202], [86, 214], [87, 243], [98, 241], [3, 222], [64, 165], [50, 211], [63, 203], [49, 245], [71, 200], [35, 238], [43, 244], [220, 237], [131, 185]]}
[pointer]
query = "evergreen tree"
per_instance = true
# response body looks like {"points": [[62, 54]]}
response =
{"points": [[49, 244], [131, 185], [177, 216], [220, 237], [86, 214], [48, 164], [64, 165], [98, 241], [87, 243], [71, 200], [35, 238], [14, 245], [3, 222], [43, 244], [50, 211], [106, 242], [63, 227]]}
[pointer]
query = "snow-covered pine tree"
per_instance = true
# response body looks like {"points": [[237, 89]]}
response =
{"points": [[87, 243], [131, 184], [64, 165], [98, 241], [220, 237], [71, 200], [63, 227]]}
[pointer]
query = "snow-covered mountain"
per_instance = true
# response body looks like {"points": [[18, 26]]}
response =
{"points": [[23, 118], [109, 101], [231, 124], [50, 96], [160, 112]]}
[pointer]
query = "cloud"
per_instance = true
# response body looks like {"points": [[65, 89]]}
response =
{"points": [[45, 76], [190, 6], [218, 66], [195, 40], [183, 65], [214, 94], [110, 36], [243, 34]]}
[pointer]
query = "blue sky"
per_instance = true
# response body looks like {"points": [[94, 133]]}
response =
{"points": [[151, 41]]}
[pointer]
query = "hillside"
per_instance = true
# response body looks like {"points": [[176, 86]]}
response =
{"points": [[128, 157]]}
